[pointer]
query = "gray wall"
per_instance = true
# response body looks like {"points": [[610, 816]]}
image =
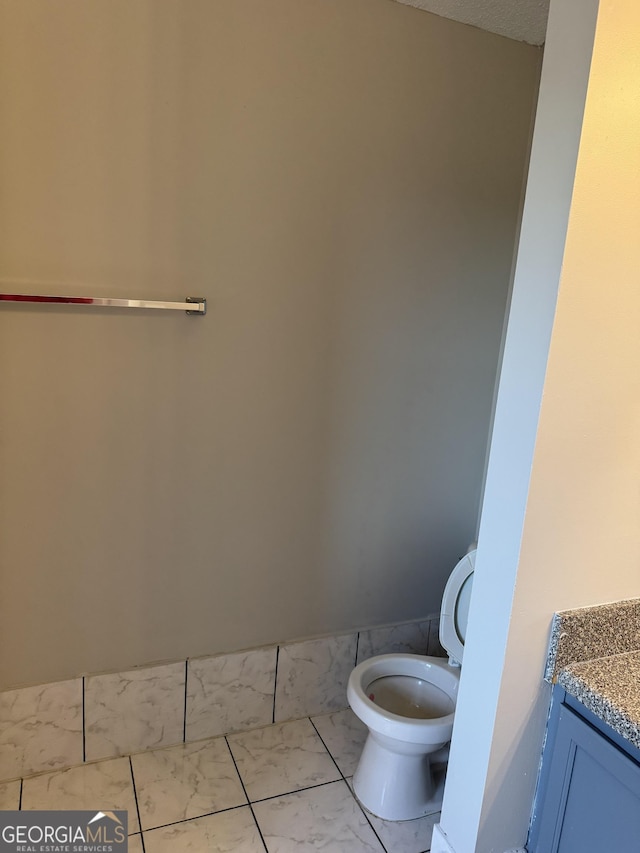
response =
{"points": [[341, 180]]}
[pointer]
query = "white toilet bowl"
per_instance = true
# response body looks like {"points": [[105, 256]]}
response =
{"points": [[408, 703]]}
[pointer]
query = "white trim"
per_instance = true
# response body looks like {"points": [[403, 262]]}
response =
{"points": [[439, 843], [494, 752]]}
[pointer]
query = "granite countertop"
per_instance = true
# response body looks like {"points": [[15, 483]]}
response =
{"points": [[609, 687], [594, 653]]}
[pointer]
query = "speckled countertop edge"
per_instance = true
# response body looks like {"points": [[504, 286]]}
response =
{"points": [[589, 633], [610, 688]]}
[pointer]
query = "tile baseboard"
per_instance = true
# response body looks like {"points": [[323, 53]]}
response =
{"points": [[63, 724]]}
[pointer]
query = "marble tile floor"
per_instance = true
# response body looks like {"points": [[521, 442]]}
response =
{"points": [[283, 788]]}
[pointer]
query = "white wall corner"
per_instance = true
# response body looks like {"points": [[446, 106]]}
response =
{"points": [[439, 843]]}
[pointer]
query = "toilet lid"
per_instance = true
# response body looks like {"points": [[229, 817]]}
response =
{"points": [[455, 607]]}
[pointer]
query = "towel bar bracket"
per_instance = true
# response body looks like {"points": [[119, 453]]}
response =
{"points": [[196, 300]]}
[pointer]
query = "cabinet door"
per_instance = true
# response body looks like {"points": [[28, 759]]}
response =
{"points": [[592, 802]]}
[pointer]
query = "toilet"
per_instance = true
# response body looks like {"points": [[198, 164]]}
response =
{"points": [[408, 702]]}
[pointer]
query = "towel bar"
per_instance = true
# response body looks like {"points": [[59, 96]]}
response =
{"points": [[191, 305]]}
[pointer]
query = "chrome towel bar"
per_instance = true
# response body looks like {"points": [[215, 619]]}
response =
{"points": [[191, 305]]}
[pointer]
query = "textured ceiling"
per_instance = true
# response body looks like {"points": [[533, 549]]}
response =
{"points": [[524, 20]]}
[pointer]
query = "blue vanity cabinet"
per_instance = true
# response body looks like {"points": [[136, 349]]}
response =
{"points": [[588, 798]]}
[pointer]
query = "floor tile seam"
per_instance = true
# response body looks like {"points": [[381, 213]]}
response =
{"points": [[135, 797], [195, 817], [317, 712], [271, 725], [324, 785], [286, 793], [328, 750], [253, 814], [239, 732], [254, 750], [297, 791], [249, 805], [29, 776], [366, 817], [344, 779]]}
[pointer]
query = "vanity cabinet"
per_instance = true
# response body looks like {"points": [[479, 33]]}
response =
{"points": [[588, 798]]}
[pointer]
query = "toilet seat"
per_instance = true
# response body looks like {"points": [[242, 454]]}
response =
{"points": [[454, 612]]}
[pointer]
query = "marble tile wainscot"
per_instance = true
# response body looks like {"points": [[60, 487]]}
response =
{"points": [[129, 711], [63, 724], [230, 693], [41, 728]]}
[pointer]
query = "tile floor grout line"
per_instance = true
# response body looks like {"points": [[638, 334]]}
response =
{"points": [[135, 796], [195, 817], [243, 805], [366, 816], [184, 722], [342, 776], [253, 814], [355, 663], [297, 791], [344, 779], [275, 684]]}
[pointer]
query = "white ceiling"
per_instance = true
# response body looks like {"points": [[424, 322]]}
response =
{"points": [[524, 20]]}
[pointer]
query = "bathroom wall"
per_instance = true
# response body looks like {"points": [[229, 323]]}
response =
{"points": [[342, 182]]}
